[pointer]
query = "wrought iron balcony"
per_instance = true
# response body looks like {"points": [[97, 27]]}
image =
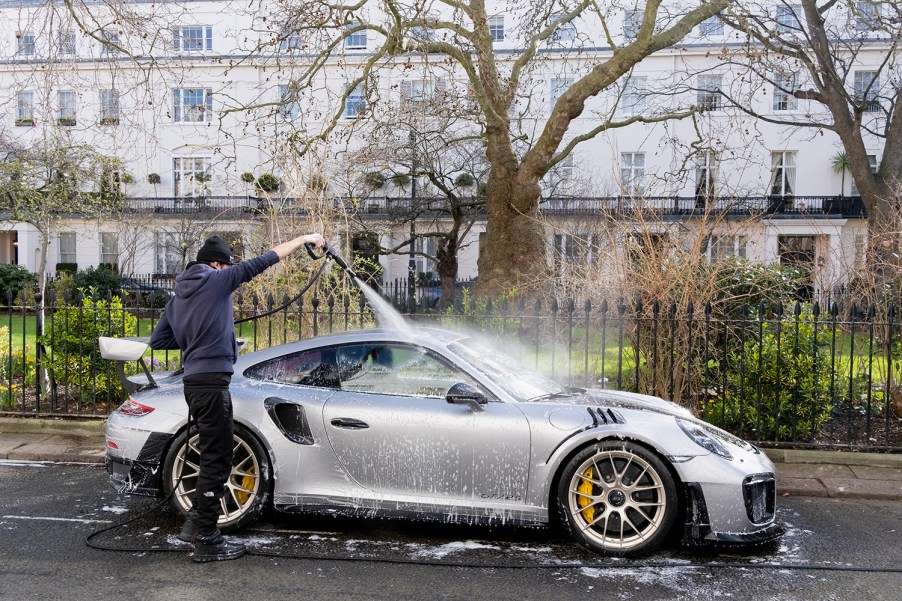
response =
{"points": [[623, 206]]}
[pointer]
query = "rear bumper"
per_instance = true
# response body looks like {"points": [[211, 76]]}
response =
{"points": [[141, 476]]}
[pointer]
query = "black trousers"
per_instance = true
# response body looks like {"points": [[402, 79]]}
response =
{"points": [[210, 405]]}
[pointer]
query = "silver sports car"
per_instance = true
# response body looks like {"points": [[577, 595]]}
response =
{"points": [[441, 426]]}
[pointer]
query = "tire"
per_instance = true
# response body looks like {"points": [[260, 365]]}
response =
{"points": [[247, 491], [629, 510]]}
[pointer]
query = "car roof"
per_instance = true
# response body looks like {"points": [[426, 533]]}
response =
{"points": [[428, 337]]}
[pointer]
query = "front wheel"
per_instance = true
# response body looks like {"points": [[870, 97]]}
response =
{"points": [[617, 498], [247, 489]]}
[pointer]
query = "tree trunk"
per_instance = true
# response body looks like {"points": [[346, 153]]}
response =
{"points": [[446, 266], [512, 257], [883, 233]]}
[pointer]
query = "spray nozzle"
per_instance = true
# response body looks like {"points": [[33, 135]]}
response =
{"points": [[329, 252]]}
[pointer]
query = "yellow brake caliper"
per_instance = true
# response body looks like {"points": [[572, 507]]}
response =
{"points": [[585, 495], [246, 482]]}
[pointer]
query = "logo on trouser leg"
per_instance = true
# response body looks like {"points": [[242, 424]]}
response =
{"points": [[209, 493]]}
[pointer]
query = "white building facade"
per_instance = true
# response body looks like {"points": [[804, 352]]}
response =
{"points": [[184, 115]]}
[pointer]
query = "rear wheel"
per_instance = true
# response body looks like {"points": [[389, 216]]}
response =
{"points": [[617, 498], [247, 490]]}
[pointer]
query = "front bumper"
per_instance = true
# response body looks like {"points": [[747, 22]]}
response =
{"points": [[143, 475], [759, 525]]}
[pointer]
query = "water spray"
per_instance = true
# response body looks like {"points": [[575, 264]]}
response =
{"points": [[330, 253]]}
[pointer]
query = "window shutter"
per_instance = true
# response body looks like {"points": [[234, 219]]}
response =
{"points": [[177, 39], [208, 104], [209, 38], [441, 89], [177, 104]]}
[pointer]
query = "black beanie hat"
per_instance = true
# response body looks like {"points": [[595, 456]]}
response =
{"points": [[215, 249]]}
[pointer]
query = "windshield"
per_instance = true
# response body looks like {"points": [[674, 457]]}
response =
{"points": [[507, 373]]}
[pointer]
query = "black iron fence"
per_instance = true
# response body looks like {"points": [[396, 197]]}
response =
{"points": [[800, 375]]}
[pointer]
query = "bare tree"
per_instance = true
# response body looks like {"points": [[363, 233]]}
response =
{"points": [[841, 60], [455, 38], [48, 181]]}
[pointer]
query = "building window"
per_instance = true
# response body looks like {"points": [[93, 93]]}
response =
{"points": [[787, 19], [110, 44], [709, 87], [26, 44], [580, 249], [566, 32], [67, 247], [192, 39], [635, 96], [784, 86], [290, 107], [355, 104], [632, 172], [783, 173], [25, 108], [191, 175], [167, 253], [65, 44], [874, 165], [632, 23], [867, 16], [109, 248], [422, 33], [356, 40], [721, 247], [192, 105], [560, 177], [417, 90], [290, 41], [558, 87], [867, 85], [109, 107], [496, 28], [67, 107], [705, 178], [710, 27]]}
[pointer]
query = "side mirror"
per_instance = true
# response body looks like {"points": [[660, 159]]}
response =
{"points": [[465, 394]]}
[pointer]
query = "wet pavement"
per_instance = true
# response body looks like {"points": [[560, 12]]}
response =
{"points": [[832, 474]]}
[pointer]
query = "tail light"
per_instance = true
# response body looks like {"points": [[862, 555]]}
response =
{"points": [[133, 408]]}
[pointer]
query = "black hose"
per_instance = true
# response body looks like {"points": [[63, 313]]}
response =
{"points": [[303, 291]]}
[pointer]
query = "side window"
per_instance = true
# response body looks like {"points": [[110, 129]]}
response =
{"points": [[307, 368], [396, 369]]}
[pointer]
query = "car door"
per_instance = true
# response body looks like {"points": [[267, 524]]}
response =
{"points": [[393, 431]]}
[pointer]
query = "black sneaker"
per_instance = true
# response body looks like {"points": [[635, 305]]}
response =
{"points": [[215, 547], [189, 528]]}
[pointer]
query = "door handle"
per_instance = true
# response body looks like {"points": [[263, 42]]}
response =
{"points": [[349, 423]]}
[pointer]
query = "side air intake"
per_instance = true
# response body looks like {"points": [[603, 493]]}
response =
{"points": [[605, 415]]}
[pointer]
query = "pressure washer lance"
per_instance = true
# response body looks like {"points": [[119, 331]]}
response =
{"points": [[329, 252]]}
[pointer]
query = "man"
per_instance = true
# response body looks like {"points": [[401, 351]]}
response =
{"points": [[199, 321]]}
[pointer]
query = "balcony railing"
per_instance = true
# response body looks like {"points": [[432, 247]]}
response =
{"points": [[396, 207]]}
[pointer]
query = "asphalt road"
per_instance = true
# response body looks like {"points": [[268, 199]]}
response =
{"points": [[833, 550]]}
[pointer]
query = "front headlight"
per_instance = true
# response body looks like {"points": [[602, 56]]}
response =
{"points": [[704, 437]]}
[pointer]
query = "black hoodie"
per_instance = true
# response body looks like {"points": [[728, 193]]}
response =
{"points": [[199, 319]]}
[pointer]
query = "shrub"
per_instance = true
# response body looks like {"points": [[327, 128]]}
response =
{"points": [[73, 353], [374, 179], [13, 279], [100, 280], [268, 182], [779, 383], [153, 178], [464, 180]]}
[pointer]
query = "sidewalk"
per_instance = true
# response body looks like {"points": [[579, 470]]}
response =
{"points": [[799, 473]]}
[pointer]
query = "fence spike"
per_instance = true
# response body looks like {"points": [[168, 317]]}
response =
{"points": [[604, 306], [816, 308], [797, 311], [778, 310], [656, 309]]}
